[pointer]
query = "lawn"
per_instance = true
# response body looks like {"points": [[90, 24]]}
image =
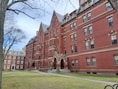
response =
{"points": [[109, 78], [29, 80]]}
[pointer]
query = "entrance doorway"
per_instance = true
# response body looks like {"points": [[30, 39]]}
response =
{"points": [[55, 63], [62, 64]]}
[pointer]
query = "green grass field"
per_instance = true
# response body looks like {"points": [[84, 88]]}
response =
{"points": [[29, 80], [109, 78]]}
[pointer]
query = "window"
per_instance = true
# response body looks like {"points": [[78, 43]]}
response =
{"points": [[87, 61], [21, 62], [89, 16], [72, 63], [72, 48], [21, 66], [85, 32], [113, 39], [71, 26], [110, 21], [8, 67], [9, 61], [90, 29], [76, 62], [86, 44], [116, 59], [92, 43], [93, 61], [75, 36], [71, 37], [18, 62], [84, 18], [75, 48], [108, 6], [74, 25], [17, 67]]}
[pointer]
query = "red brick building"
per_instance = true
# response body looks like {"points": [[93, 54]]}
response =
{"points": [[82, 41], [14, 60]]}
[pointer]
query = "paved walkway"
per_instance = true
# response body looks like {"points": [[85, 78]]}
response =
{"points": [[91, 80]]}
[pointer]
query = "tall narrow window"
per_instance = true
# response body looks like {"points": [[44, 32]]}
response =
{"points": [[87, 61], [92, 43], [72, 48], [74, 25], [75, 48], [75, 36], [86, 44], [84, 18], [71, 26], [71, 37], [108, 6], [116, 59], [90, 29], [113, 39], [110, 21], [93, 61], [89, 16], [72, 63], [85, 32]]}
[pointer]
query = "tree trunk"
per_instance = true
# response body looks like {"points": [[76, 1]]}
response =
{"points": [[2, 15], [3, 7]]}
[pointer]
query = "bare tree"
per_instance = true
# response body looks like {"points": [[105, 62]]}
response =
{"points": [[11, 5], [11, 37]]}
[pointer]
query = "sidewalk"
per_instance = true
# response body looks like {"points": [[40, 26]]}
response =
{"points": [[86, 79]]}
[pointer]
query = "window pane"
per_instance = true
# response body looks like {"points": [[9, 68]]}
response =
{"points": [[94, 61], [84, 18], [108, 6], [90, 29], [89, 16], [110, 21], [116, 60], [85, 32], [87, 61]]}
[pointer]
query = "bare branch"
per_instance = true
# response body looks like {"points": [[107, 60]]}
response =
{"points": [[16, 11], [14, 2]]}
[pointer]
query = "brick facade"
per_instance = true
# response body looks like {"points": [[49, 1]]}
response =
{"points": [[14, 60], [85, 40]]}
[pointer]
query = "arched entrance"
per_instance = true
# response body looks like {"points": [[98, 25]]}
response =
{"points": [[62, 64], [55, 63]]}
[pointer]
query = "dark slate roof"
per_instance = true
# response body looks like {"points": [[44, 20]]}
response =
{"points": [[45, 27], [31, 40], [60, 17]]}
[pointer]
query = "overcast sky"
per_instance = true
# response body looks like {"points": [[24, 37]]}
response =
{"points": [[30, 26]]}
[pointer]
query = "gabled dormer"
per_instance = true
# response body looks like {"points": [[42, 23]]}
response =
{"points": [[84, 4]]}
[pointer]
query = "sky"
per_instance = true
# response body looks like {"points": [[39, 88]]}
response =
{"points": [[31, 26]]}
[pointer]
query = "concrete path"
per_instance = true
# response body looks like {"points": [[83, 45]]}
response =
{"points": [[86, 79]]}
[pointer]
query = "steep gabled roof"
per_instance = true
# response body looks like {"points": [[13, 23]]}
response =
{"points": [[59, 16], [45, 27]]}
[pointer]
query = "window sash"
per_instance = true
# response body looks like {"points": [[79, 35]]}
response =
{"points": [[116, 60], [108, 6]]}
